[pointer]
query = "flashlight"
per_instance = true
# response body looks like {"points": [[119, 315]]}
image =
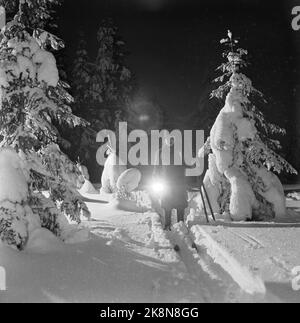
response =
{"points": [[158, 187]]}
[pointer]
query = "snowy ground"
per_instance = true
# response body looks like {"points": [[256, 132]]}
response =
{"points": [[129, 258], [269, 252]]}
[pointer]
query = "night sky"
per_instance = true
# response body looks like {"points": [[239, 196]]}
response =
{"points": [[174, 47]]}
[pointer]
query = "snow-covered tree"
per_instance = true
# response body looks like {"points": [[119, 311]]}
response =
{"points": [[81, 75], [113, 80], [31, 98], [102, 88], [241, 151], [82, 138], [112, 83], [32, 14]]}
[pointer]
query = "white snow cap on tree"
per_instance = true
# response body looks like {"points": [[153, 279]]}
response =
{"points": [[31, 62], [46, 67]]}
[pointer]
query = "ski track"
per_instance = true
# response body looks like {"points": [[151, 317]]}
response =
{"points": [[218, 283], [250, 240], [130, 235], [210, 283]]}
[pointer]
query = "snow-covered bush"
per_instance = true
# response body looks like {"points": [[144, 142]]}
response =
{"points": [[129, 180], [119, 185], [239, 178]]}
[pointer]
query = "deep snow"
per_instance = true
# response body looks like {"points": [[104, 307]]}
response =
{"points": [[129, 258]]}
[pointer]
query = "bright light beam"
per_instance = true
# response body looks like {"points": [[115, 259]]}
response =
{"points": [[158, 187]]}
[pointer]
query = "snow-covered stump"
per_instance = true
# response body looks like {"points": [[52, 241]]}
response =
{"points": [[239, 180]]}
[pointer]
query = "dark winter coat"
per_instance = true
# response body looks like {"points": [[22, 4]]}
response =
{"points": [[174, 176]]}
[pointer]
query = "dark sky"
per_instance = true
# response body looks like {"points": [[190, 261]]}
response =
{"points": [[175, 48]]}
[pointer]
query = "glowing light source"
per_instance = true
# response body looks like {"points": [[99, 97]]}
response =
{"points": [[158, 187]]}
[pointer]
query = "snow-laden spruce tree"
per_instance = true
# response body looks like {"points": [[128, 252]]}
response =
{"points": [[82, 138], [113, 79], [242, 158], [35, 13], [81, 75], [107, 85], [31, 98]]}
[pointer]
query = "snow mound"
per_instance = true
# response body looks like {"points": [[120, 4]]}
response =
{"points": [[43, 241], [128, 205], [88, 188]]}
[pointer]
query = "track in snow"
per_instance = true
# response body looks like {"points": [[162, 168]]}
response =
{"points": [[198, 271], [217, 284]]}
